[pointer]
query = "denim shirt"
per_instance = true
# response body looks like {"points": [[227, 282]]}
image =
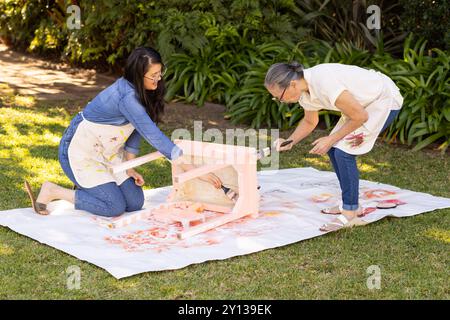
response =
{"points": [[118, 105]]}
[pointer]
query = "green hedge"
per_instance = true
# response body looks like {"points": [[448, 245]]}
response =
{"points": [[429, 19], [112, 28]]}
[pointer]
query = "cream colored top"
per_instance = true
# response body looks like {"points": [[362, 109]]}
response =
{"points": [[376, 92]]}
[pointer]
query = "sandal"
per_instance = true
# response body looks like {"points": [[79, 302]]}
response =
{"points": [[386, 205], [39, 208], [337, 210], [332, 210], [340, 222]]}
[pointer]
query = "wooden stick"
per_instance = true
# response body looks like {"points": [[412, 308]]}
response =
{"points": [[126, 219], [208, 225], [217, 208], [194, 173], [136, 162]]}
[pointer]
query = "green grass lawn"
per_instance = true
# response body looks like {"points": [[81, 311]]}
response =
{"points": [[413, 253]]}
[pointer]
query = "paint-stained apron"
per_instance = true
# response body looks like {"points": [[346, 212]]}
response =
{"points": [[363, 139], [94, 149]]}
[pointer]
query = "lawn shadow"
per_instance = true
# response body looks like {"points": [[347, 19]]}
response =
{"points": [[27, 129], [44, 151], [12, 177]]}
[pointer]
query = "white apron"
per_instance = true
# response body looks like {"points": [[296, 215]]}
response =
{"points": [[94, 149], [363, 139]]}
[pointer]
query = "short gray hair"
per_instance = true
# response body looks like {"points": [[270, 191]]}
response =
{"points": [[281, 74]]}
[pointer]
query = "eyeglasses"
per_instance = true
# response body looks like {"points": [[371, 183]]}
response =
{"points": [[157, 75], [280, 99]]}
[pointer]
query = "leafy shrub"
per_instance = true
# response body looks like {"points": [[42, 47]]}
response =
{"points": [[213, 73], [345, 21], [424, 81], [19, 19], [429, 19], [112, 28]]}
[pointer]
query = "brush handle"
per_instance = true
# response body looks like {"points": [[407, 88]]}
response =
{"points": [[286, 143], [229, 193]]}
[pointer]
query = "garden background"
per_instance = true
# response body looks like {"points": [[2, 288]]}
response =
{"points": [[217, 53]]}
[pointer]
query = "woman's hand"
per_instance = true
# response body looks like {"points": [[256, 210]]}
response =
{"points": [[138, 179], [213, 179], [322, 145], [278, 146], [210, 177]]}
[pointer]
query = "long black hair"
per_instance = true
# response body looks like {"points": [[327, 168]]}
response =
{"points": [[138, 64]]}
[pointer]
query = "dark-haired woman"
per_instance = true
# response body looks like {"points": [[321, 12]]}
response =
{"points": [[368, 101], [107, 132]]}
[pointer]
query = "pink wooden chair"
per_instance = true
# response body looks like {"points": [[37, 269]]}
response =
{"points": [[193, 200]]}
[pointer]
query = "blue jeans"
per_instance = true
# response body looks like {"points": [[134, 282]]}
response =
{"points": [[344, 164], [109, 199]]}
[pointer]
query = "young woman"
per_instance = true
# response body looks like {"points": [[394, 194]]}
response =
{"points": [[107, 132], [368, 101]]}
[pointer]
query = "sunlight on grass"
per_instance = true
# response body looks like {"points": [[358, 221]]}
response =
{"points": [[8, 98], [125, 284], [45, 169], [322, 161], [30, 141], [5, 250], [19, 139], [438, 234], [29, 116], [364, 167], [24, 101], [6, 92]]}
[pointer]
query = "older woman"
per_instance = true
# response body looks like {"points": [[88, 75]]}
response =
{"points": [[108, 131], [368, 101]]}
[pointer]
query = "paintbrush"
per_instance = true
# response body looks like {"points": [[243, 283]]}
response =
{"points": [[286, 143], [230, 193], [265, 152]]}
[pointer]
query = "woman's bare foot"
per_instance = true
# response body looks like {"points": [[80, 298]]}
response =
{"points": [[350, 214], [46, 194], [332, 210], [342, 222], [49, 192], [348, 218]]}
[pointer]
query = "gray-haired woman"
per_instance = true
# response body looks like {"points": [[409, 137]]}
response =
{"points": [[368, 101]]}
